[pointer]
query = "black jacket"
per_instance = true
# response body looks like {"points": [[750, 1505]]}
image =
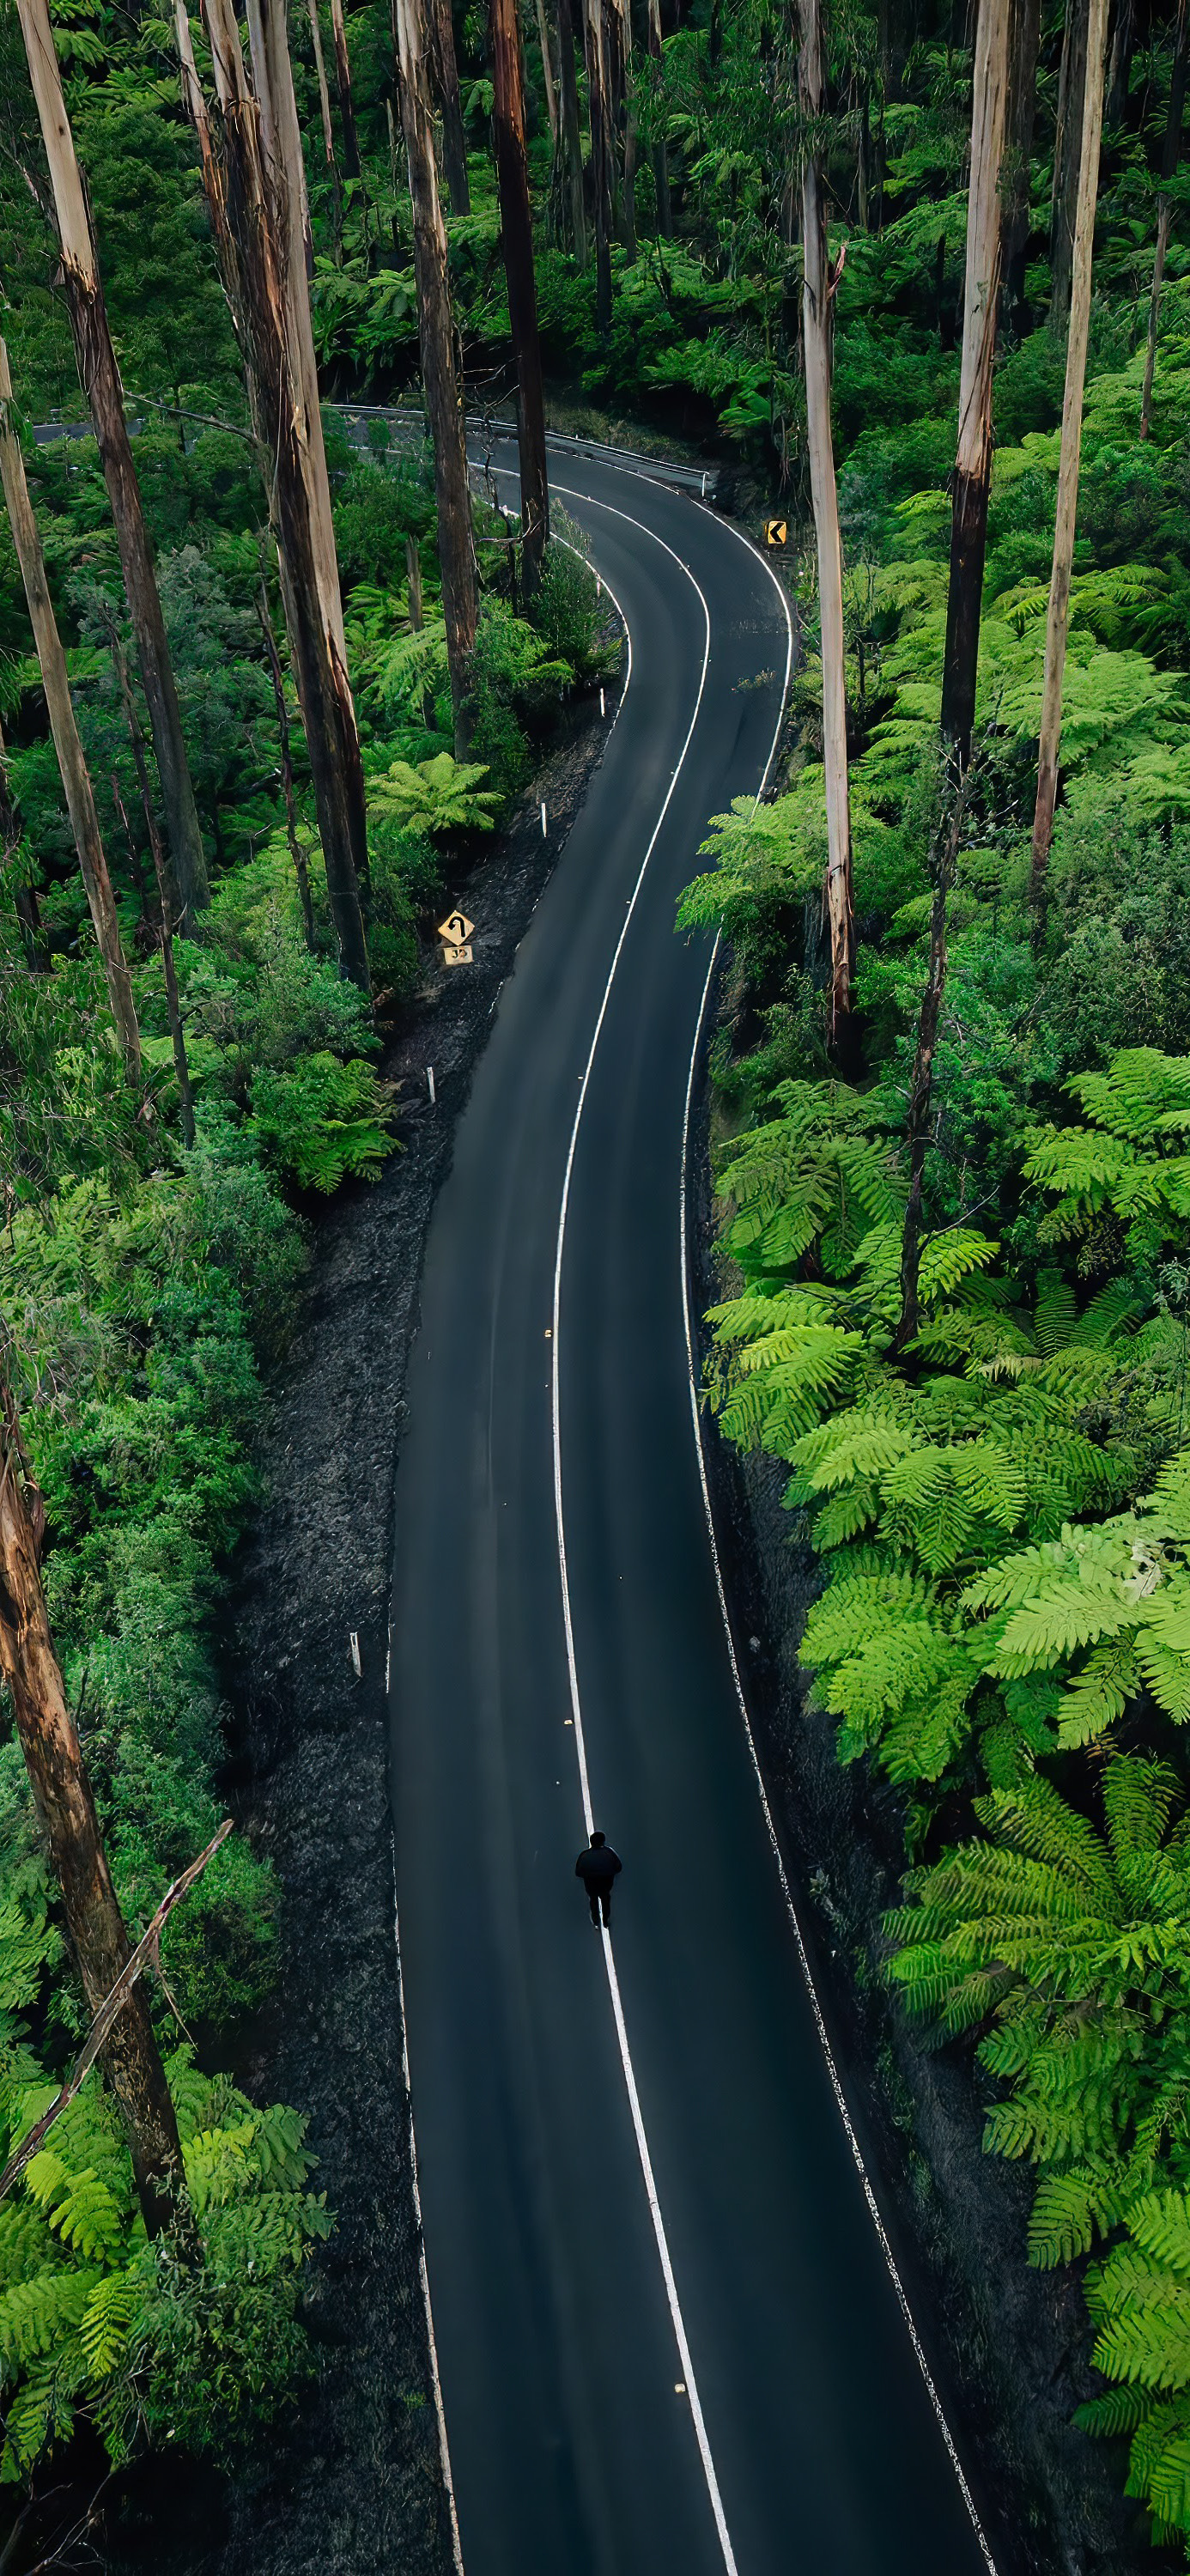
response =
{"points": [[597, 1869]]}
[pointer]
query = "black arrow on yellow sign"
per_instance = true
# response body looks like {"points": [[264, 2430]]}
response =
{"points": [[775, 531]]}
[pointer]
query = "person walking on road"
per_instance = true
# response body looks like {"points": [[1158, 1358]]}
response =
{"points": [[597, 1867]]}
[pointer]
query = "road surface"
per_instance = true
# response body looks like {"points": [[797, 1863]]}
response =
{"points": [[667, 2336]]}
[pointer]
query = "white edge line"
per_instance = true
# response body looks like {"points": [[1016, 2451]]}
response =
{"points": [[671, 2291], [422, 2267], [802, 1952]]}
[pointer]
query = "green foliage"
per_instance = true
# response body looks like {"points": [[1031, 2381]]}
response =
{"points": [[324, 1121], [98, 2324], [439, 795]]}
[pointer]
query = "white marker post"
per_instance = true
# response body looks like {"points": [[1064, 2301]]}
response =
{"points": [[543, 831], [430, 1083], [602, 704]]}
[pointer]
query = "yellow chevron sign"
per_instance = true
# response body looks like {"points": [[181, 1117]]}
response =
{"points": [[775, 531]]}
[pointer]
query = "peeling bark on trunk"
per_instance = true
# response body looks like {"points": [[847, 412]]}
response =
{"points": [[516, 227], [572, 133], [1072, 421], [440, 372], [72, 763], [599, 101], [1067, 158], [1170, 157], [973, 455], [53, 1757], [444, 83], [1022, 111], [296, 852], [254, 198], [816, 327], [351, 159], [100, 378]]}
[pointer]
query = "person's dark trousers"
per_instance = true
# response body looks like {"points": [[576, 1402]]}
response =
{"points": [[601, 1896]]}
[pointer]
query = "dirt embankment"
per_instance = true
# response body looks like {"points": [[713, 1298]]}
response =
{"points": [[1008, 2346], [351, 2485]]}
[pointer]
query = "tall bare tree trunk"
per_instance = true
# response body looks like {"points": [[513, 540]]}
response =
{"points": [[1119, 71], [817, 296], [76, 778], [1072, 426], [173, 1004], [1022, 111], [351, 159], [328, 131], [660, 155], [100, 377], [599, 104], [572, 132], [1170, 157], [276, 675], [973, 455], [549, 84], [1067, 157], [251, 178], [922, 1079], [516, 226], [444, 85], [24, 892], [441, 375], [53, 1757]]}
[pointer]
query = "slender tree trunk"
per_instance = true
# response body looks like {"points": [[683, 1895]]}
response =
{"points": [[351, 159], [1072, 421], [1022, 110], [444, 85], [296, 852], [72, 764], [253, 191], [572, 132], [173, 1005], [547, 76], [599, 99], [973, 455], [516, 227], [1119, 72], [1067, 162], [101, 383], [660, 155], [444, 400], [24, 893], [328, 131], [816, 327], [1170, 157], [922, 1082], [53, 1757]]}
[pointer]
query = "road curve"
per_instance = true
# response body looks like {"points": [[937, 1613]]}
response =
{"points": [[667, 2335]]}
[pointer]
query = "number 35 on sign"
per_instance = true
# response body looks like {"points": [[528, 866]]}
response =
{"points": [[455, 933]]}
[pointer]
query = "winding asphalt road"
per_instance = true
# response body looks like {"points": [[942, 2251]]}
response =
{"points": [[668, 2338]]}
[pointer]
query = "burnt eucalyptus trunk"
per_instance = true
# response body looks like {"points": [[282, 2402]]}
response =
{"points": [[72, 761], [296, 852], [1067, 155], [440, 372], [1119, 70], [254, 200], [599, 104], [660, 154], [100, 379], [53, 1758], [173, 1004], [922, 1080], [973, 456], [516, 228], [1170, 156], [444, 83]]}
